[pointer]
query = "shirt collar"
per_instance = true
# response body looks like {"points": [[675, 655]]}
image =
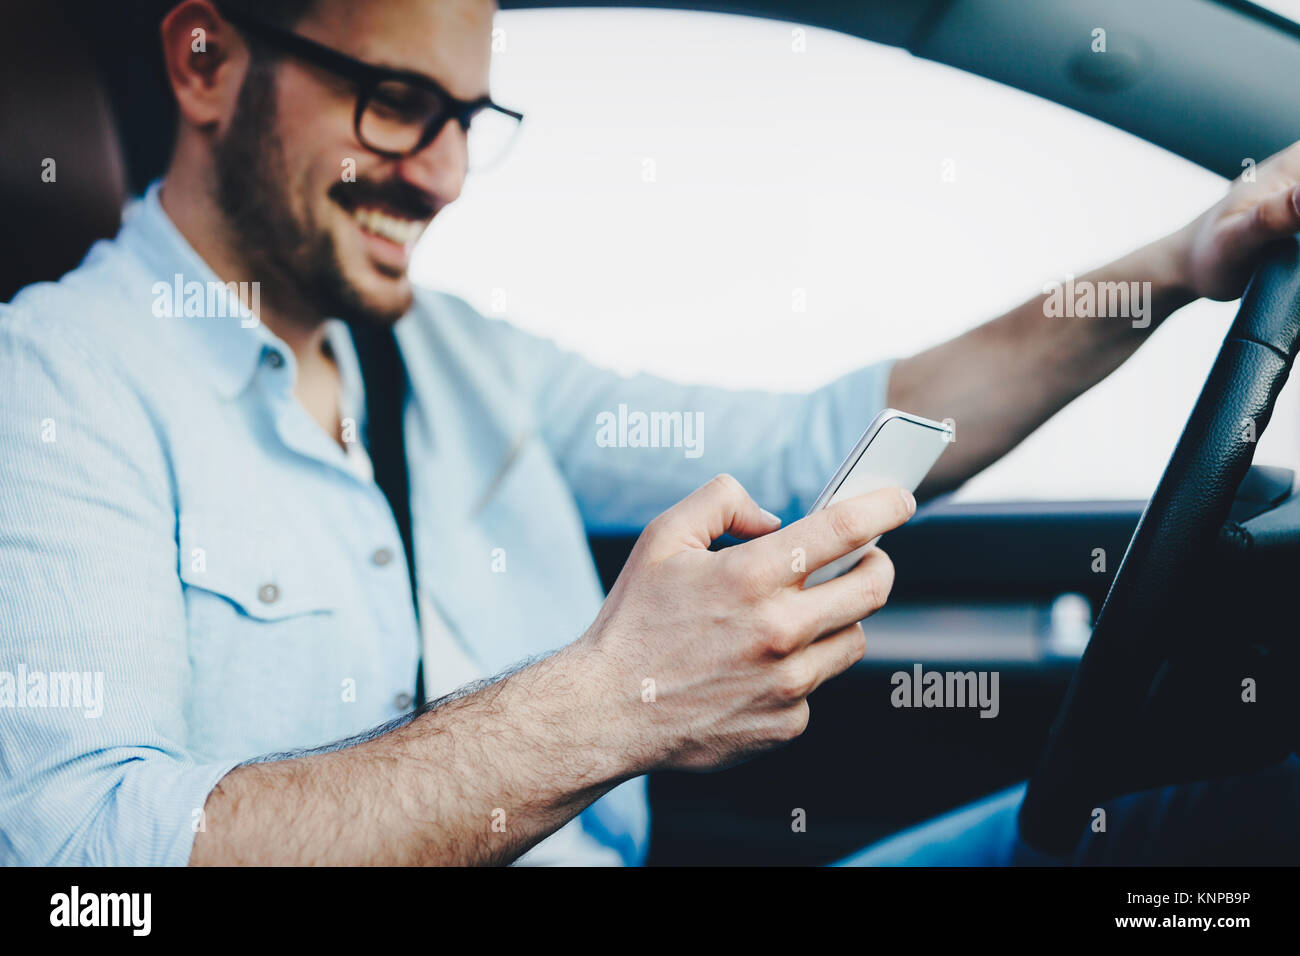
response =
{"points": [[227, 345]]}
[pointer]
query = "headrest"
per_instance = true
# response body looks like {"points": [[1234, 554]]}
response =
{"points": [[62, 176]]}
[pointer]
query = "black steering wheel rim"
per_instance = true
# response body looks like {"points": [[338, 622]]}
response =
{"points": [[1085, 760]]}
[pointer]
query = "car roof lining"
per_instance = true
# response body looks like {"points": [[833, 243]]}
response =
{"points": [[1209, 80]]}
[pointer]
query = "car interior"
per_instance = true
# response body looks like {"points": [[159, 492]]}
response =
{"points": [[1112, 680]]}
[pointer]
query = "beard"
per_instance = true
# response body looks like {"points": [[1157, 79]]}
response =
{"points": [[252, 186]]}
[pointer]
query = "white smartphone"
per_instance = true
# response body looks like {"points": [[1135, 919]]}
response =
{"points": [[897, 449]]}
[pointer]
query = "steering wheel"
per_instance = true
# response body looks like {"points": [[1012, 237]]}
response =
{"points": [[1086, 760]]}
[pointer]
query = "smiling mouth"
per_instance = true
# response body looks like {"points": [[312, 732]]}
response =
{"points": [[401, 230]]}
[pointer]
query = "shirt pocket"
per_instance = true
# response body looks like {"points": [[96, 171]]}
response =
{"points": [[261, 573], [266, 641]]}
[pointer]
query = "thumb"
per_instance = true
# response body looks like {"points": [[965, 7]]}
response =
{"points": [[719, 507]]}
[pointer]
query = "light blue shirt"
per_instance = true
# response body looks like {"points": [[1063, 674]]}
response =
{"points": [[194, 574]]}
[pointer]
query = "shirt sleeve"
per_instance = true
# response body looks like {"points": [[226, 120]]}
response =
{"points": [[94, 667], [783, 447]]}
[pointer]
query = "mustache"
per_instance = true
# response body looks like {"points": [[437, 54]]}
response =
{"points": [[392, 194]]}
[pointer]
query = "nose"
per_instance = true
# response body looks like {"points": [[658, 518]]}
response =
{"points": [[439, 168]]}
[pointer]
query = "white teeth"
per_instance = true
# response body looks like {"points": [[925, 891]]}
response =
{"points": [[401, 231]]}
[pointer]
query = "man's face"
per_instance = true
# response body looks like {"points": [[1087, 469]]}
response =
{"points": [[304, 198]]}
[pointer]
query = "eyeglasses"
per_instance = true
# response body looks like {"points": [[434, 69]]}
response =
{"points": [[399, 112]]}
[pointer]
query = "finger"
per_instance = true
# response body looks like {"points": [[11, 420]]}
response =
{"points": [[1273, 217], [803, 547], [1286, 161], [1277, 215], [852, 597], [834, 654], [719, 507]]}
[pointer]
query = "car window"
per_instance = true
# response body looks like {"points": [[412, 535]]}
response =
{"points": [[750, 203], [1287, 8]]}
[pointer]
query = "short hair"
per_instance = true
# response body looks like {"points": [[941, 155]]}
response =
{"points": [[279, 13]]}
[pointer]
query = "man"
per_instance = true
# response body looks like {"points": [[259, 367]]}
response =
{"points": [[190, 516]]}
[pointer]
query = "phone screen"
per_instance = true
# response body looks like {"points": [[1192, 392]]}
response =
{"points": [[896, 450]]}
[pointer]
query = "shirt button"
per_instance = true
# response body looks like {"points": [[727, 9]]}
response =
{"points": [[403, 701], [381, 557], [274, 359], [268, 594]]}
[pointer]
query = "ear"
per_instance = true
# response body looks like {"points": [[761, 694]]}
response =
{"points": [[206, 60]]}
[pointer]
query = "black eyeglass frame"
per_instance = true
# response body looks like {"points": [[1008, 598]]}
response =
{"points": [[367, 77]]}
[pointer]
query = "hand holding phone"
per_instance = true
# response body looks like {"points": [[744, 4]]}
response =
{"points": [[897, 449]]}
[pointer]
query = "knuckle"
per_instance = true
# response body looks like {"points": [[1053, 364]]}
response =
{"points": [[781, 637], [880, 581], [845, 522], [884, 566], [1270, 215], [795, 721], [726, 484], [870, 597], [796, 682], [857, 646]]}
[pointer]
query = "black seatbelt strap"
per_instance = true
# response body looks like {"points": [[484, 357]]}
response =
{"points": [[384, 376]]}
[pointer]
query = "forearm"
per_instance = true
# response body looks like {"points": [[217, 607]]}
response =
{"points": [[1003, 379], [476, 780]]}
